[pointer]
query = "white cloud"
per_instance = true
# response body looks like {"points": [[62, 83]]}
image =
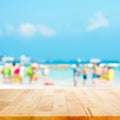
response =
{"points": [[10, 27], [97, 22], [46, 31], [27, 29]]}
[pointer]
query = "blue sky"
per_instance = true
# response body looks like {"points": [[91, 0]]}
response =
{"points": [[64, 29]]}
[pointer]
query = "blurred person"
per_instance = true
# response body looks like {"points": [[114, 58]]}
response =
{"points": [[110, 76], [6, 71], [76, 74], [104, 74], [85, 75], [29, 73], [1, 69], [22, 71], [97, 72], [45, 72], [16, 78], [36, 72]]}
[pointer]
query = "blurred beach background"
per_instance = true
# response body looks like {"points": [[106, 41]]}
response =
{"points": [[62, 75], [60, 33]]}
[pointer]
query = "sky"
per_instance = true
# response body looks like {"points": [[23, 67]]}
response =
{"points": [[64, 29]]}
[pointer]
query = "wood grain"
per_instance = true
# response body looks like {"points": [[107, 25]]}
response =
{"points": [[60, 104]]}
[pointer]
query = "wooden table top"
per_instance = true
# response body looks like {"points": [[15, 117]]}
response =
{"points": [[54, 104]]}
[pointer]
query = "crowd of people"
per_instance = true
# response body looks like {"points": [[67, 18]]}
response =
{"points": [[15, 73], [100, 75]]}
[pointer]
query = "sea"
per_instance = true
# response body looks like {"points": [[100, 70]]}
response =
{"points": [[64, 77]]}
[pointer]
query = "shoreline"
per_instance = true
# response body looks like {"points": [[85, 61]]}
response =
{"points": [[37, 86]]}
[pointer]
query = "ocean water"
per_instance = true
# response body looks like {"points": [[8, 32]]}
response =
{"points": [[62, 78], [65, 77]]}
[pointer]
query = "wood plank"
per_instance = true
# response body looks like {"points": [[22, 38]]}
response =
{"points": [[74, 105], [9, 95], [59, 104], [103, 103], [28, 104], [3, 105], [44, 105]]}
